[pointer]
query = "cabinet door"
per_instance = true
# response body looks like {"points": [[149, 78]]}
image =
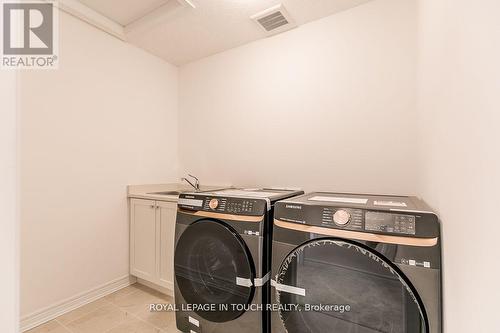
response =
{"points": [[165, 219], [143, 239]]}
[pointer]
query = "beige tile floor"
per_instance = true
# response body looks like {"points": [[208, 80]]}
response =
{"points": [[125, 311]]}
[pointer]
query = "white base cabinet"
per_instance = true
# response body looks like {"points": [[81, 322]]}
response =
{"points": [[152, 230]]}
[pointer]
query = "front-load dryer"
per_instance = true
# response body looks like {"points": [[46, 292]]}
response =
{"points": [[222, 260], [355, 264]]}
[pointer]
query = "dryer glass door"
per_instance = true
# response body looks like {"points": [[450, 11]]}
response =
{"points": [[348, 287], [209, 256]]}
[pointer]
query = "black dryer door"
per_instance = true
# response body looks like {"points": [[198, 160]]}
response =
{"points": [[209, 256], [349, 288]]}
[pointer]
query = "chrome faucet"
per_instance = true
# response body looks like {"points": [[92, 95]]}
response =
{"points": [[196, 184]]}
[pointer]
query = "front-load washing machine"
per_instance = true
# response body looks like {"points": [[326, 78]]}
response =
{"points": [[222, 259], [355, 264]]}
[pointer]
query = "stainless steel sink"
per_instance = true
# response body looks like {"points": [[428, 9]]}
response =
{"points": [[166, 193]]}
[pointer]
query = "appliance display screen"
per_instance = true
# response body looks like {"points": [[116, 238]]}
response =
{"points": [[190, 202], [387, 222]]}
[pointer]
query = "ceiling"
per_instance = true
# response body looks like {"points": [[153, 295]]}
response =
{"points": [[124, 12], [181, 31]]}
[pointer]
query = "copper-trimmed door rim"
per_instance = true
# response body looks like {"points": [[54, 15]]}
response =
{"points": [[357, 235], [222, 216]]}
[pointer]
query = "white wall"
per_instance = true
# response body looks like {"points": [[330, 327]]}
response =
{"points": [[337, 96], [9, 224], [105, 119], [459, 105]]}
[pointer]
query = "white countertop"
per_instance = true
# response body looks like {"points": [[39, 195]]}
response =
{"points": [[145, 191]]}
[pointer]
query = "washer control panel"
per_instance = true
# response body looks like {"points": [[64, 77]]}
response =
{"points": [[240, 206], [213, 203], [226, 205]]}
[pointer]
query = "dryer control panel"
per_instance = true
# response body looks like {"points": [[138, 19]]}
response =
{"points": [[390, 223], [410, 224], [347, 218], [223, 205], [405, 216]]}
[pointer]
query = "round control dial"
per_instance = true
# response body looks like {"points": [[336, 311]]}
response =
{"points": [[341, 217], [213, 204]]}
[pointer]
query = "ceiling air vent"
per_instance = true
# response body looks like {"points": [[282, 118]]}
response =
{"points": [[274, 20]]}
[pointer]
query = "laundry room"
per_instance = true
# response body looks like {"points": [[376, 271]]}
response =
{"points": [[249, 166]]}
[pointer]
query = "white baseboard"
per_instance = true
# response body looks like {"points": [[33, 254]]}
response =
{"points": [[53, 311], [167, 291]]}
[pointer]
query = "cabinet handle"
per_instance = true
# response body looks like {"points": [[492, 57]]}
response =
{"points": [[152, 206]]}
